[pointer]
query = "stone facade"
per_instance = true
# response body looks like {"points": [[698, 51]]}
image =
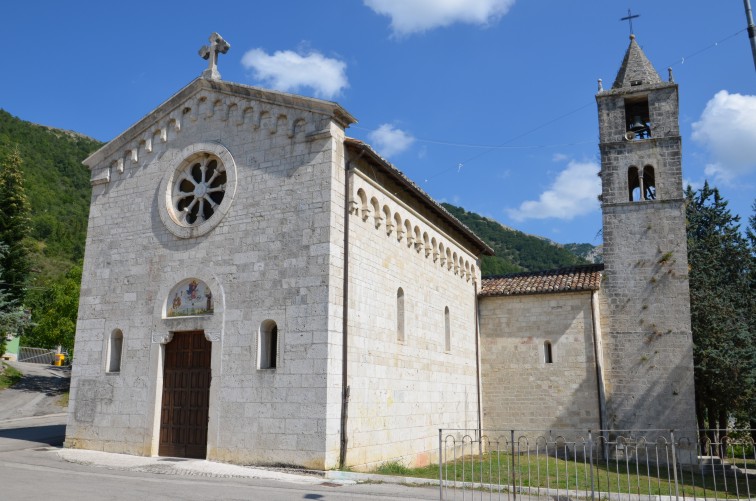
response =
{"points": [[269, 257], [522, 388]]}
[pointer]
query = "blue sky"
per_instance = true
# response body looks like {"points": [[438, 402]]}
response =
{"points": [[486, 104]]}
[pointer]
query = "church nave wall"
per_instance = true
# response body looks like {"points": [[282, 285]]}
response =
{"points": [[406, 385]]}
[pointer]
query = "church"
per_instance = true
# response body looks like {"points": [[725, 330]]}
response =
{"points": [[260, 288]]}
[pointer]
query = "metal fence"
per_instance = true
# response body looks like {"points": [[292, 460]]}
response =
{"points": [[36, 355], [611, 465]]}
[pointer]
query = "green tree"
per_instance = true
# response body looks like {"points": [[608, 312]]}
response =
{"points": [[14, 227], [12, 316], [751, 232], [720, 301], [54, 313]]}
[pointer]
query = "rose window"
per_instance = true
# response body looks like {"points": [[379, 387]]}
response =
{"points": [[199, 189]]}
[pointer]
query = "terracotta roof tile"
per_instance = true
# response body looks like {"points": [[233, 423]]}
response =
{"points": [[572, 279]]}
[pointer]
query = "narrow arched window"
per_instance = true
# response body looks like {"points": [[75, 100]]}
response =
{"points": [[400, 315], [633, 184], [447, 330], [115, 350], [267, 346], [649, 183], [548, 356]]}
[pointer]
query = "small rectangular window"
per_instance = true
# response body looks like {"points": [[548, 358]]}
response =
{"points": [[547, 353], [447, 330], [400, 315], [115, 349], [267, 349]]}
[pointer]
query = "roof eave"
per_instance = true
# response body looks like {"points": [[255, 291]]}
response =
{"points": [[395, 174]]}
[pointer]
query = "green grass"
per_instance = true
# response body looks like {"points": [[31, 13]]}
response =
{"points": [[612, 476], [63, 400], [393, 468], [8, 376]]}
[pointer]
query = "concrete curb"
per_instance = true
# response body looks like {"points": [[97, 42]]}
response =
{"points": [[374, 477], [187, 467], [203, 468], [61, 414]]}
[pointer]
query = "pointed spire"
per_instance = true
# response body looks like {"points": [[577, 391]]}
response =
{"points": [[636, 69]]}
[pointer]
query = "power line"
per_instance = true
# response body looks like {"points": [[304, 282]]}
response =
{"points": [[519, 136], [481, 146], [708, 47], [504, 146]]}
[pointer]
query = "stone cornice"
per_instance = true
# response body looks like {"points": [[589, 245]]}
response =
{"points": [[142, 132]]}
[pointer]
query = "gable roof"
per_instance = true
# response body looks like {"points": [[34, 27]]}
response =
{"points": [[573, 279], [198, 85], [636, 69], [399, 177]]}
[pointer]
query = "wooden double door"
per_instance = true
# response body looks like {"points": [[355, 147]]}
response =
{"points": [[186, 396]]}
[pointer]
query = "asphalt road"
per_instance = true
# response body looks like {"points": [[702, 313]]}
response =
{"points": [[38, 473], [33, 467], [37, 394]]}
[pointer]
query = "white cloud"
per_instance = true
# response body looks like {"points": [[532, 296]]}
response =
{"points": [[417, 16], [388, 140], [559, 157], [696, 185], [290, 71], [727, 128], [573, 193]]}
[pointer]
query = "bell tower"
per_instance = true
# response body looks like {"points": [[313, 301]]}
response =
{"points": [[647, 339]]}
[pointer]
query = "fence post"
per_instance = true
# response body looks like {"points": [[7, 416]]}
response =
{"points": [[440, 465], [514, 478], [674, 464], [590, 455]]}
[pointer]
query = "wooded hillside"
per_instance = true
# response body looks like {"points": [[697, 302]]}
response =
{"points": [[515, 250], [57, 187]]}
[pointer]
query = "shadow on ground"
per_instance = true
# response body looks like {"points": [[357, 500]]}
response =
{"points": [[49, 385], [52, 434]]}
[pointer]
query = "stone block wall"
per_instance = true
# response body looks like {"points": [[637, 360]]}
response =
{"points": [[521, 391], [647, 341], [405, 386]]}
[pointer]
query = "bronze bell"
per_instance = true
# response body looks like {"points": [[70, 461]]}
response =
{"points": [[638, 125]]}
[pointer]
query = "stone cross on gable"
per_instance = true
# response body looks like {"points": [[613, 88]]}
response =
{"points": [[210, 52]]}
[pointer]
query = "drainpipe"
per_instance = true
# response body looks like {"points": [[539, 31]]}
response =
{"points": [[598, 354], [345, 317], [477, 360]]}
